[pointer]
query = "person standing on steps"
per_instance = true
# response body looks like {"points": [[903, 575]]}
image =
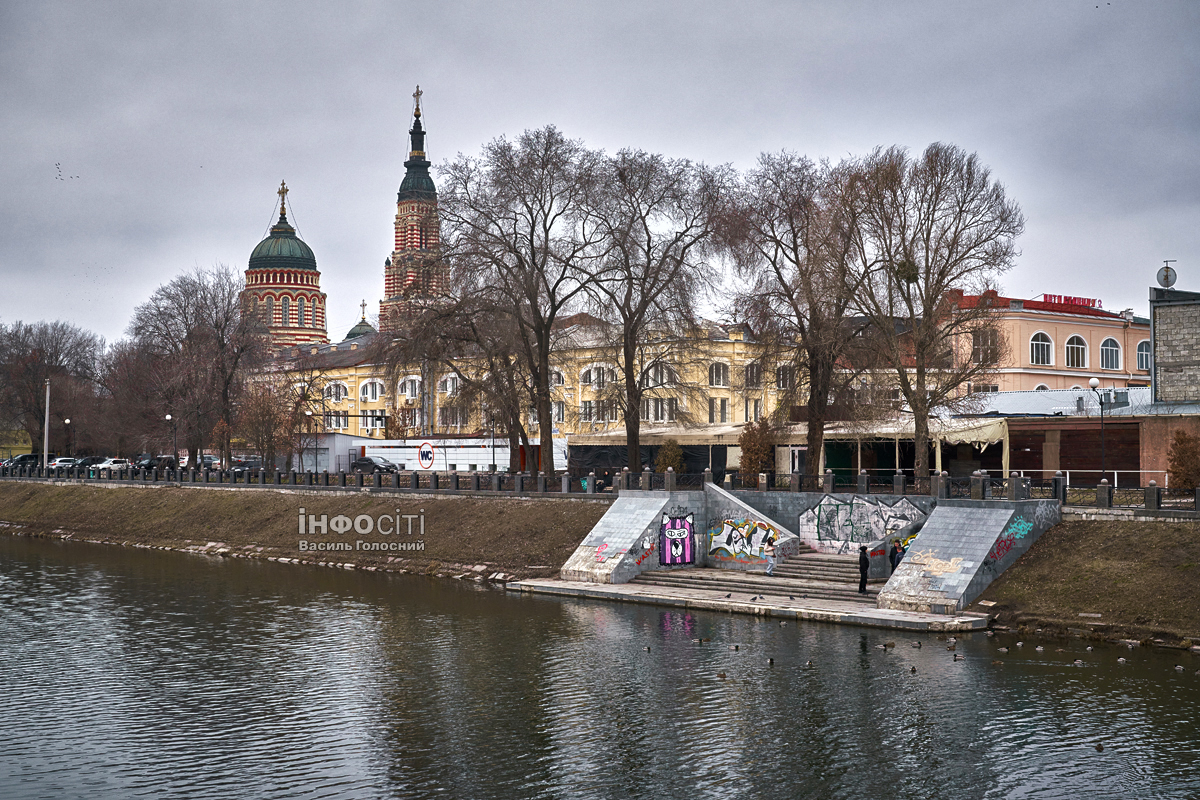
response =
{"points": [[893, 558], [769, 552], [864, 566]]}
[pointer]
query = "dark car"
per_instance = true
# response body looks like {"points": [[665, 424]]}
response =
{"points": [[373, 464], [26, 460], [249, 465]]}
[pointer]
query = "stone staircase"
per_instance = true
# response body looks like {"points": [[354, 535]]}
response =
{"points": [[810, 575]]}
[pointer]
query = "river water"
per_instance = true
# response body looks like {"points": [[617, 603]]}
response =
{"points": [[134, 673]]}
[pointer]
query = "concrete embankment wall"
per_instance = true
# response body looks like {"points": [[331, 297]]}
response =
{"points": [[963, 546], [671, 530], [519, 536]]}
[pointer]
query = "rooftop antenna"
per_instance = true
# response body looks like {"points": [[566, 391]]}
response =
{"points": [[1167, 275]]}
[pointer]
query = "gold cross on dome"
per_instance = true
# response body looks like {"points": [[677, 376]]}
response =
{"points": [[283, 190], [364, 309], [417, 97]]}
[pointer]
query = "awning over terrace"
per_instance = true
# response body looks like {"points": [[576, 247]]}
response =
{"points": [[977, 432]]}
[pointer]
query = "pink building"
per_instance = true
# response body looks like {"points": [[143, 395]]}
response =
{"points": [[1061, 342]]}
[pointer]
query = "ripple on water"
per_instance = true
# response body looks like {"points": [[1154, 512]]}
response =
{"points": [[157, 674]]}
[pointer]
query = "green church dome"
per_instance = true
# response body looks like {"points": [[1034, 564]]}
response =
{"points": [[282, 250], [362, 328]]}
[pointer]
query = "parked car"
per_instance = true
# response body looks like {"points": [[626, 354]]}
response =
{"points": [[63, 462], [373, 464], [25, 460], [247, 466], [90, 461], [114, 464]]}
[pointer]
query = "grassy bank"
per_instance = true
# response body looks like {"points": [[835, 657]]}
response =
{"points": [[1141, 578], [527, 538]]}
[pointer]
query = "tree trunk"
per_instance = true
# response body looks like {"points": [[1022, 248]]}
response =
{"points": [[921, 441]]}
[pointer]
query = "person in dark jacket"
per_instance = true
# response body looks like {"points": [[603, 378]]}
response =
{"points": [[864, 566], [893, 554]]}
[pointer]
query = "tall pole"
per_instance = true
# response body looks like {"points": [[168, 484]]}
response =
{"points": [[1095, 383], [46, 429], [308, 415]]}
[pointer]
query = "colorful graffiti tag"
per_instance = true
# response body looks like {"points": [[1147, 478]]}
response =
{"points": [[859, 520], [676, 543], [1017, 529], [741, 540]]}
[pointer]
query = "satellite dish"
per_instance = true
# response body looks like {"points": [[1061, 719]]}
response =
{"points": [[1166, 277]]}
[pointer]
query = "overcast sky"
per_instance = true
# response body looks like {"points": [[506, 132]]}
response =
{"points": [[140, 140]]}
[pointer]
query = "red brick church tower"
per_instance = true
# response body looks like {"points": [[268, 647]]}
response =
{"points": [[283, 285], [413, 274]]}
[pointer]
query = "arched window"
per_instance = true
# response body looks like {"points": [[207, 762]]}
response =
{"points": [[1110, 354], [370, 391], [410, 387], [1143, 355], [1041, 387], [336, 392], [1041, 350], [285, 311], [1076, 352], [753, 376], [300, 312], [658, 374], [270, 310], [718, 374]]}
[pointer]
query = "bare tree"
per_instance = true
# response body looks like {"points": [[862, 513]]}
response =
{"points": [[925, 231], [204, 341], [32, 354], [519, 239], [476, 343], [791, 243], [656, 216]]}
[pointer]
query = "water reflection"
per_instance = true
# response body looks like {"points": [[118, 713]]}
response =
{"points": [[140, 673]]}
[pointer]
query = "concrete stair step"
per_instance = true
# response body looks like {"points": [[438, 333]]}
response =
{"points": [[731, 581]]}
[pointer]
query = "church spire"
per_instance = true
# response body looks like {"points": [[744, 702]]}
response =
{"points": [[417, 185]]}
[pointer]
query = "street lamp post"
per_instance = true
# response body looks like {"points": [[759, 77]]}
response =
{"points": [[174, 442], [70, 436], [1095, 383], [308, 415]]}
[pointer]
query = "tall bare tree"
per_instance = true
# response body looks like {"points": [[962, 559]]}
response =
{"points": [[656, 217], [791, 243], [926, 231], [204, 340], [32, 354], [518, 234]]}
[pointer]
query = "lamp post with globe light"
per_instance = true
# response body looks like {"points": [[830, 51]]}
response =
{"points": [[308, 418], [1095, 383], [174, 442], [70, 436]]}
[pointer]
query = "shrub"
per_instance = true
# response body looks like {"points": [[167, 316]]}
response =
{"points": [[670, 454], [1183, 461], [758, 451]]}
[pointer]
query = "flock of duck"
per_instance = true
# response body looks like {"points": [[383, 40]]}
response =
{"points": [[951, 645]]}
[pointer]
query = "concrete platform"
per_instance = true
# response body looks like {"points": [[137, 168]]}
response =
{"points": [[836, 611]]}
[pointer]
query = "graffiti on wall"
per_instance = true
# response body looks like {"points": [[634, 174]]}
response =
{"points": [[856, 520], [676, 543], [933, 565], [741, 540], [1016, 530]]}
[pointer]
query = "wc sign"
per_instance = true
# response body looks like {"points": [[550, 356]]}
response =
{"points": [[425, 455]]}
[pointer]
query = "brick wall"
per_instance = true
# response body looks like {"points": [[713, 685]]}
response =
{"points": [[1177, 353]]}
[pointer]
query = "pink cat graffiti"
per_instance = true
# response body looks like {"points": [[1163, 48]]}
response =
{"points": [[675, 541]]}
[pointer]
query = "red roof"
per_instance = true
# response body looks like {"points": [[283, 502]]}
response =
{"points": [[1000, 302]]}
